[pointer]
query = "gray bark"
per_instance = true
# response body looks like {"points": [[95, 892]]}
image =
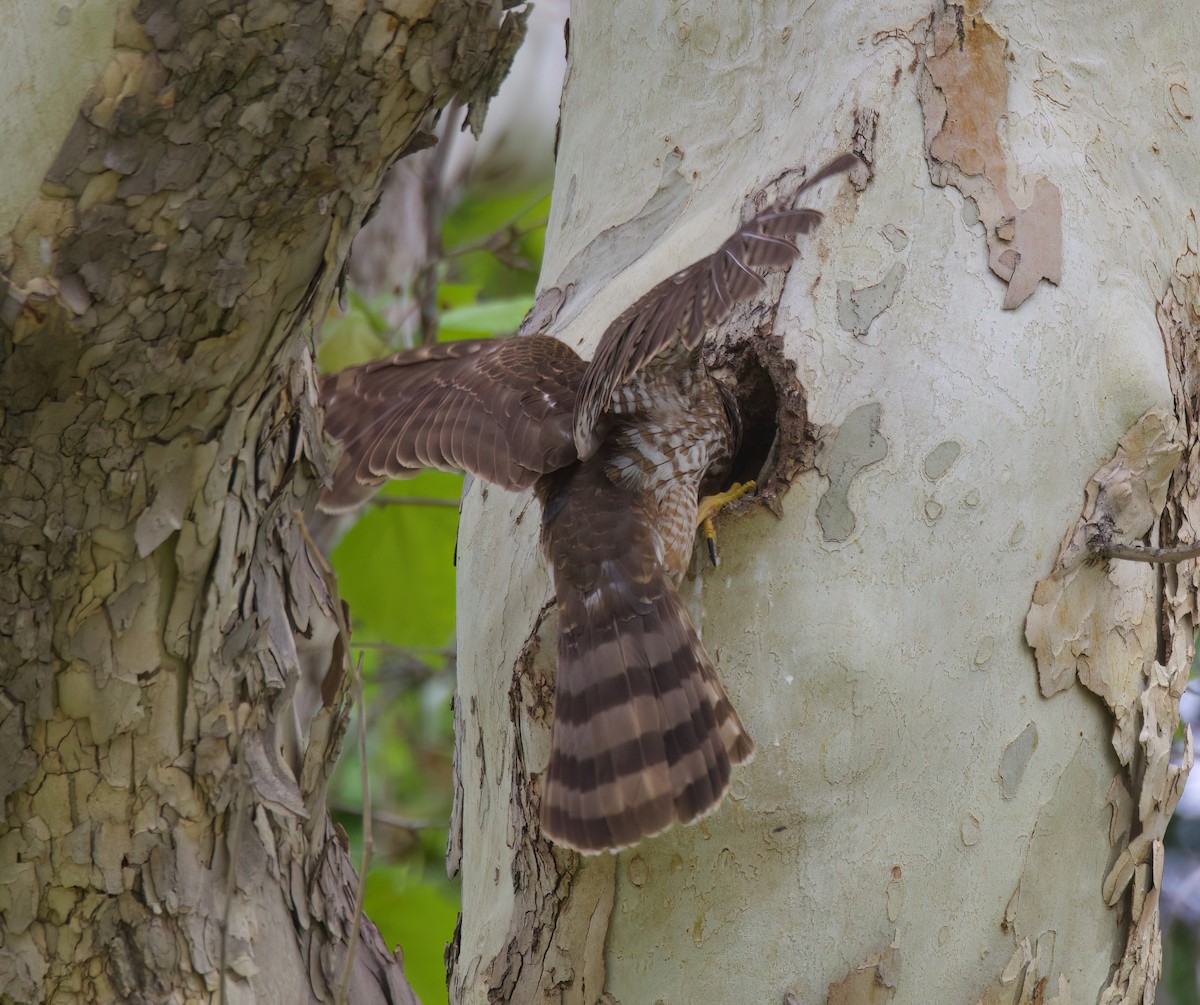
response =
{"points": [[172, 686]]}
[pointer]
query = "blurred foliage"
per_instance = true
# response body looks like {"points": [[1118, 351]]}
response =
{"points": [[395, 568], [1180, 902], [497, 242], [1181, 962]]}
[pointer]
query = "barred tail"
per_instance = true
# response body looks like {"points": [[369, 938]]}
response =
{"points": [[644, 734]]}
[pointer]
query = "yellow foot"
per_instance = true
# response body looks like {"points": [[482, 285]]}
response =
{"points": [[709, 506]]}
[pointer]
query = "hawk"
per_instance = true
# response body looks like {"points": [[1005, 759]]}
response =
{"points": [[617, 451]]}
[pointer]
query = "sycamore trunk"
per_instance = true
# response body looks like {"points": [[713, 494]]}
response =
{"points": [[963, 727], [180, 184]]}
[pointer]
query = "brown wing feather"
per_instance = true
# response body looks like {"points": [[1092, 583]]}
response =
{"points": [[498, 408], [644, 734], [681, 308]]}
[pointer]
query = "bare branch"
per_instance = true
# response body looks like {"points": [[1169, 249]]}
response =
{"points": [[1153, 556], [393, 820], [414, 501]]}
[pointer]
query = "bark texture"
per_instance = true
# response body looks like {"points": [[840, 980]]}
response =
{"points": [[171, 672], [994, 339]]}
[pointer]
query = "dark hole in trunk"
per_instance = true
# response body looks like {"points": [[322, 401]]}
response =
{"points": [[772, 405]]}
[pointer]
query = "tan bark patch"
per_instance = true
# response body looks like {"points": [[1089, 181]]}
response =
{"points": [[964, 96], [1104, 622], [872, 982], [1071, 623]]}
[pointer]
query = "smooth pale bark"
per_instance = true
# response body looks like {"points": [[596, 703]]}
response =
{"points": [[927, 819], [180, 183]]}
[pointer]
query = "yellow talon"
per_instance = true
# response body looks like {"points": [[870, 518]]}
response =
{"points": [[709, 505]]}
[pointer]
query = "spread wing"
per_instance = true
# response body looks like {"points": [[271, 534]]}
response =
{"points": [[499, 409], [680, 309]]}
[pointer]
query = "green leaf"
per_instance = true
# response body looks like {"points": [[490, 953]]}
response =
{"points": [[492, 317], [484, 217], [420, 918], [360, 334], [396, 566], [482, 213], [451, 295], [348, 342]]}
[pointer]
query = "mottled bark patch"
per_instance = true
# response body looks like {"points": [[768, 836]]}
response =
{"points": [[963, 91], [859, 307], [845, 450], [1126, 630], [872, 982]]}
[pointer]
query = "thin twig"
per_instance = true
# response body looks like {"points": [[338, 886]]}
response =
{"points": [[391, 647], [368, 844], [503, 239], [433, 184], [414, 501], [420, 661], [392, 820], [1154, 556]]}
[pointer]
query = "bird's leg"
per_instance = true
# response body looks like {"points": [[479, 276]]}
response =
{"points": [[707, 508]]}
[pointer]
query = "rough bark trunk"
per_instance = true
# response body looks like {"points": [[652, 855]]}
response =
{"points": [[181, 183], [928, 819]]}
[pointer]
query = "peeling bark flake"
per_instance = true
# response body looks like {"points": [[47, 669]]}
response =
{"points": [[964, 96], [1015, 760], [872, 982], [1022, 981], [1110, 625]]}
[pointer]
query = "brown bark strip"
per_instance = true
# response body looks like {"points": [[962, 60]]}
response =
{"points": [[164, 635], [964, 96]]}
